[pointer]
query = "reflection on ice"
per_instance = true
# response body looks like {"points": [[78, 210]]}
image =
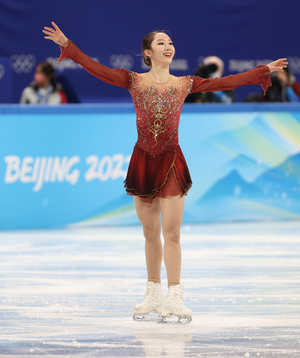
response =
{"points": [[70, 293], [157, 343]]}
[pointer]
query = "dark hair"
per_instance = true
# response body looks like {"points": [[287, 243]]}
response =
{"points": [[146, 44], [48, 70]]}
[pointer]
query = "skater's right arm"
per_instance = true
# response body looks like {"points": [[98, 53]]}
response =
{"points": [[115, 77]]}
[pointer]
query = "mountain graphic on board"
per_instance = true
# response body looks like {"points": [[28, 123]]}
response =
{"points": [[250, 149], [276, 192], [286, 175], [281, 185], [247, 167], [233, 185]]}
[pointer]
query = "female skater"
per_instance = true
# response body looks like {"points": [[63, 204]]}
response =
{"points": [[158, 177]]}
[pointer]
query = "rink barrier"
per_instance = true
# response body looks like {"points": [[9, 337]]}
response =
{"points": [[65, 165]]}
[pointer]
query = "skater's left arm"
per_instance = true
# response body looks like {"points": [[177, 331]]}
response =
{"points": [[113, 76], [117, 77], [259, 75]]}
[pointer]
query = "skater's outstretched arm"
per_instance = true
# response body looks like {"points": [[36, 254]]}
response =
{"points": [[115, 77], [259, 75]]}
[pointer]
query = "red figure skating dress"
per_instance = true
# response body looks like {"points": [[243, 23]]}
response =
{"points": [[157, 167]]}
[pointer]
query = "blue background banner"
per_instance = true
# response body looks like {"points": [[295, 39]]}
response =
{"points": [[243, 33], [66, 165]]}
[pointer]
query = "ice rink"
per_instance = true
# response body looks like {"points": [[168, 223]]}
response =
{"points": [[70, 293]]}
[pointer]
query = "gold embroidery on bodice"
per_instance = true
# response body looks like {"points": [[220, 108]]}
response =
{"points": [[158, 108]]}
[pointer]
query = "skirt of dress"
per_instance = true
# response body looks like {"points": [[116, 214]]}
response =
{"points": [[163, 175]]}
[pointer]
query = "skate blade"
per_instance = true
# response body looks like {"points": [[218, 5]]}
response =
{"points": [[145, 318], [180, 319]]}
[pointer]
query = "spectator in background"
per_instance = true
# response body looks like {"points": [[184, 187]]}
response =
{"points": [[212, 67], [44, 89], [284, 88]]}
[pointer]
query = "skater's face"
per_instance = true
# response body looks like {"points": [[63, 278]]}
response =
{"points": [[162, 50]]}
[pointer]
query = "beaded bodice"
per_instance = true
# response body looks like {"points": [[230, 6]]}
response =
{"points": [[158, 107]]}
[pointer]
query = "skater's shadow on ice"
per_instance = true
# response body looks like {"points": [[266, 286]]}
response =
{"points": [[157, 343]]}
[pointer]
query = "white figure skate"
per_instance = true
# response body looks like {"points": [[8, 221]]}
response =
{"points": [[173, 306], [152, 301]]}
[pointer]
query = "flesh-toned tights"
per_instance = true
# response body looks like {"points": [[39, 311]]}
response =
{"points": [[165, 214]]}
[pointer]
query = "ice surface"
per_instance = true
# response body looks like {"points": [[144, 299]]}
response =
{"points": [[70, 293]]}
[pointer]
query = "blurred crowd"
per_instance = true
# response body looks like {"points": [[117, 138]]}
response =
{"points": [[46, 90], [284, 87], [212, 67]]}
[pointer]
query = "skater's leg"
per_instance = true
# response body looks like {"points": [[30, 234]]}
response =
{"points": [[149, 216], [172, 214]]}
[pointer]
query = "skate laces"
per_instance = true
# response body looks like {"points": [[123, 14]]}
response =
{"points": [[149, 295], [176, 296]]}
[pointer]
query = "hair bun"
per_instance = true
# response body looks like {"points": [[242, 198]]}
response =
{"points": [[147, 60]]}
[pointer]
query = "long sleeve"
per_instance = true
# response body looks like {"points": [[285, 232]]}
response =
{"points": [[296, 88], [259, 75], [116, 77]]}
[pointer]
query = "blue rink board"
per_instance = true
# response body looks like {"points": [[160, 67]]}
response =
{"points": [[66, 165]]}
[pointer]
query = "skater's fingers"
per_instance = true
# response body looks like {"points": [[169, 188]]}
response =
{"points": [[47, 32], [49, 29], [55, 26]]}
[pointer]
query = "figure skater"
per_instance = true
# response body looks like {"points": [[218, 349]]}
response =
{"points": [[158, 177]]}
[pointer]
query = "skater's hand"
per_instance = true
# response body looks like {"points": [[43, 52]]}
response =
{"points": [[55, 35], [278, 65]]}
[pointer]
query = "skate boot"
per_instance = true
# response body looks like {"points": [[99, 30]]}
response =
{"points": [[152, 301], [173, 305]]}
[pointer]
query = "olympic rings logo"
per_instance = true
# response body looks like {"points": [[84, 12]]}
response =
{"points": [[2, 71], [23, 63]]}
